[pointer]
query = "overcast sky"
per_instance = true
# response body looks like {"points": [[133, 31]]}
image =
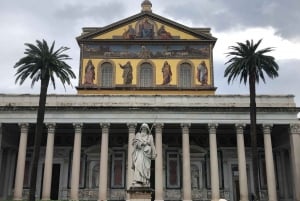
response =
{"points": [[275, 21]]}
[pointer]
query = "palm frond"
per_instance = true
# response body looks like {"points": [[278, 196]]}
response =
{"points": [[41, 62], [245, 60]]}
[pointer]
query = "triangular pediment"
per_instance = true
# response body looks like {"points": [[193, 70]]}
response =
{"points": [[146, 26]]}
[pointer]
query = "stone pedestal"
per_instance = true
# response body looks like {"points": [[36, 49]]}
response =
{"points": [[140, 193]]}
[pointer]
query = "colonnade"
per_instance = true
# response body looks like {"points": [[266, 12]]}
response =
{"points": [[159, 192]]}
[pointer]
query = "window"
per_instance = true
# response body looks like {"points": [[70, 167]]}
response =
{"points": [[106, 74], [173, 170], [146, 75], [118, 170], [185, 75]]}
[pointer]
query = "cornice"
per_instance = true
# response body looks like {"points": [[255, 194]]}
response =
{"points": [[178, 108]]}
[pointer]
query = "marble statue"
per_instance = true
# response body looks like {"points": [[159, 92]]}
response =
{"points": [[143, 152]]}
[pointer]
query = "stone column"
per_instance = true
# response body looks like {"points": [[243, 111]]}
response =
{"points": [[19, 177], [270, 169], [214, 171], [242, 162], [103, 163], [131, 135], [48, 163], [186, 163], [76, 162], [159, 193], [295, 159]]}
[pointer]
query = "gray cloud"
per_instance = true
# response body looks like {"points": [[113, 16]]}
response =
{"points": [[26, 21], [285, 83], [283, 16]]}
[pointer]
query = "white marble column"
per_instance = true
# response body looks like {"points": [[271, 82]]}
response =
{"points": [[159, 194], [76, 162], [131, 135], [103, 163], [214, 171], [270, 168], [48, 163], [242, 162], [19, 177], [295, 159], [186, 163]]}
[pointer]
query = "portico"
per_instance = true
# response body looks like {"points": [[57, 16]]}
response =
{"points": [[99, 146]]}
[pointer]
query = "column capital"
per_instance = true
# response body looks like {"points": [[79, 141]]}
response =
{"points": [[212, 127], [185, 125], [131, 125], [158, 125], [240, 128], [267, 128], [24, 127], [104, 125], [295, 129], [77, 127], [51, 127], [185, 128]]}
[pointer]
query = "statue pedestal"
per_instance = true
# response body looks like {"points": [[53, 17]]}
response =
{"points": [[140, 193]]}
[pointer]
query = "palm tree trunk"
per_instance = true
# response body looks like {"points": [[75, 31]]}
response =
{"points": [[38, 137], [253, 135]]}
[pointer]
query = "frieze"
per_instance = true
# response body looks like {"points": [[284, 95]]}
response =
{"points": [[146, 51], [182, 108]]}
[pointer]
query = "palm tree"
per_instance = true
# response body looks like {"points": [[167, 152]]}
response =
{"points": [[43, 64], [251, 65]]}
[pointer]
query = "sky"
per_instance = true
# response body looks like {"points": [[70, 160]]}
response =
{"points": [[231, 21]]}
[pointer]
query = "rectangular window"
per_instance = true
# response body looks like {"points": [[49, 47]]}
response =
{"points": [[173, 170], [118, 170], [106, 75]]}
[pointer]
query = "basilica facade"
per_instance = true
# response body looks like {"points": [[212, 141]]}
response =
{"points": [[149, 69]]}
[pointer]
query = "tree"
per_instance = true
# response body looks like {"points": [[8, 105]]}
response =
{"points": [[43, 64], [251, 65]]}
